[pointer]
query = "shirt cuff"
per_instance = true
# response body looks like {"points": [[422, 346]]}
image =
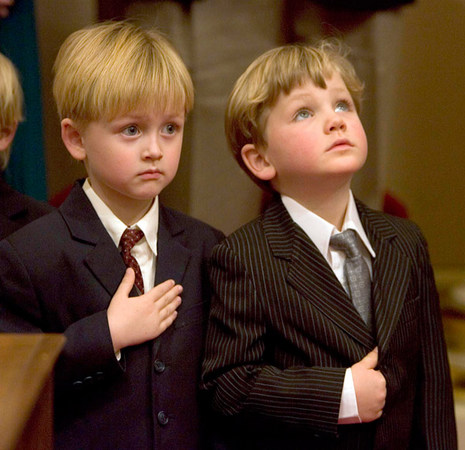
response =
{"points": [[348, 410]]}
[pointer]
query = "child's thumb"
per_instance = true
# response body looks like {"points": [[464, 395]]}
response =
{"points": [[127, 282], [370, 361]]}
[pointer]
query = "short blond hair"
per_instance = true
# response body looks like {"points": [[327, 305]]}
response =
{"points": [[113, 68], [278, 71], [11, 102]]}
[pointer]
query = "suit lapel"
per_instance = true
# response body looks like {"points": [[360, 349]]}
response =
{"points": [[96, 244], [391, 270], [173, 256], [112, 271], [310, 274], [99, 252], [172, 260]]}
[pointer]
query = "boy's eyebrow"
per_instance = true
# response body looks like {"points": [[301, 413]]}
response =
{"points": [[293, 95], [142, 116], [341, 90], [296, 97]]}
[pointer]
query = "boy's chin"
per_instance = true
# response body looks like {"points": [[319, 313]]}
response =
{"points": [[348, 168], [346, 171]]}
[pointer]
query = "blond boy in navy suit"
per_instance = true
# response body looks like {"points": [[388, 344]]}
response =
{"points": [[128, 375], [290, 362]]}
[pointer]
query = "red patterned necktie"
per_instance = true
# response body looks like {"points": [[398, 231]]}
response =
{"points": [[130, 238]]}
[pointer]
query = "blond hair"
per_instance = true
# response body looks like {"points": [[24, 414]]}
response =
{"points": [[278, 71], [11, 102], [115, 67]]}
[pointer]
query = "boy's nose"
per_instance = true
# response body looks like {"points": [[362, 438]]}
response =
{"points": [[336, 123], [153, 150]]}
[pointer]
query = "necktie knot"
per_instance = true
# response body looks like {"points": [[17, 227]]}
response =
{"points": [[348, 242], [129, 239]]}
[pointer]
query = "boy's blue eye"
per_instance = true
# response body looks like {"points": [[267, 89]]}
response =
{"points": [[342, 106], [170, 128], [303, 114], [132, 130]]}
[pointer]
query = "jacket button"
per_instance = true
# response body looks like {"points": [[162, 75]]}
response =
{"points": [[163, 418], [88, 381], [77, 385], [159, 366], [99, 376]]}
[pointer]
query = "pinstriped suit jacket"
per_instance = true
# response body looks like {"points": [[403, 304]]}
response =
{"points": [[282, 332]]}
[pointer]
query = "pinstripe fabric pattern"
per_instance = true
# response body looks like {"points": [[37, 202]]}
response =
{"points": [[282, 331]]}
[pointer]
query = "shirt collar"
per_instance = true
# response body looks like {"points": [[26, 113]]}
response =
{"points": [[115, 227], [352, 221], [319, 230]]}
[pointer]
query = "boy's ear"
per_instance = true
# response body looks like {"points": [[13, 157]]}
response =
{"points": [[256, 161], [72, 138], [7, 135]]}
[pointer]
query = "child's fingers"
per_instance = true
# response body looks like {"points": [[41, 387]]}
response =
{"points": [[127, 283], [160, 290], [166, 308], [164, 293], [171, 304], [170, 301], [169, 314]]}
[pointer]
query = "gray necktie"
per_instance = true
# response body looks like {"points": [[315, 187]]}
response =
{"points": [[356, 272]]}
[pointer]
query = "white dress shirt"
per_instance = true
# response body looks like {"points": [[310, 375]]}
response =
{"points": [[320, 232], [145, 251]]}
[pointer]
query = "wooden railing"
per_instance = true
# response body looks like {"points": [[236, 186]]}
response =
{"points": [[26, 390]]}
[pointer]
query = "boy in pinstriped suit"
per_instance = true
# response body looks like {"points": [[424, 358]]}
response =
{"points": [[289, 362]]}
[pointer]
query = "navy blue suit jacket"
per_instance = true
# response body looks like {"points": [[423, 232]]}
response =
{"points": [[17, 210], [58, 275]]}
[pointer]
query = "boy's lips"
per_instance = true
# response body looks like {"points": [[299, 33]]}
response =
{"points": [[151, 174], [340, 144]]}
